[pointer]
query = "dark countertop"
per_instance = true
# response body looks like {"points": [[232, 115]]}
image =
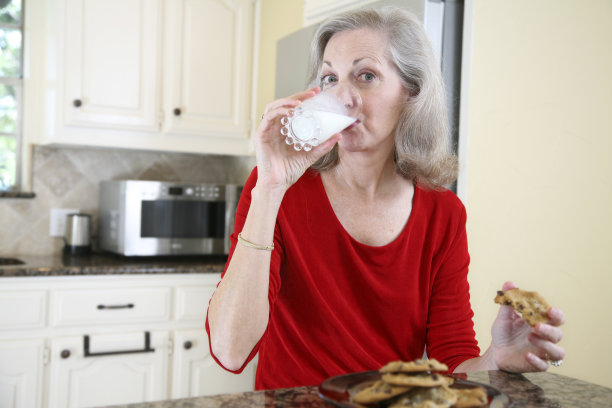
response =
{"points": [[528, 390], [109, 264]]}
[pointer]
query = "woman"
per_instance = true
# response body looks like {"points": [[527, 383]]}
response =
{"points": [[353, 254]]}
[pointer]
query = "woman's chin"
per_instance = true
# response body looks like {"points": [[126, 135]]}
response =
{"points": [[353, 142]]}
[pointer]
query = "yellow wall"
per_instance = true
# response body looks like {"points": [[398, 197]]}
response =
{"points": [[278, 18], [539, 168]]}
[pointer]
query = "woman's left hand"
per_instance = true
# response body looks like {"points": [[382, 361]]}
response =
{"points": [[518, 347]]}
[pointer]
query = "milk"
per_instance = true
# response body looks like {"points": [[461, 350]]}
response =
{"points": [[332, 123], [311, 128], [314, 121]]}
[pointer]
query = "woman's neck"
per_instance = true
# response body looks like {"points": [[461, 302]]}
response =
{"points": [[365, 174]]}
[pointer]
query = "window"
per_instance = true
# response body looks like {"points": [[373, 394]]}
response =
{"points": [[11, 85]]}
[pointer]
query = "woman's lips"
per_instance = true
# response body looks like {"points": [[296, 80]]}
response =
{"points": [[352, 125]]}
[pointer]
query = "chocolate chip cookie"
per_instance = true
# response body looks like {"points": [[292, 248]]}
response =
{"points": [[530, 305]]}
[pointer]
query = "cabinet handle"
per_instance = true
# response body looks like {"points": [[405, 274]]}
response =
{"points": [[77, 103], [65, 353], [125, 306], [187, 345], [147, 348], [177, 111]]}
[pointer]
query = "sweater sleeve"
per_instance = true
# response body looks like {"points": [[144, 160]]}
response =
{"points": [[450, 329], [275, 263]]}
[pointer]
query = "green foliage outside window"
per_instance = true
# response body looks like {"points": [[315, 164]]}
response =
{"points": [[8, 162], [11, 40]]}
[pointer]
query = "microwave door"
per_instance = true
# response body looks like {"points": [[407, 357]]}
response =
{"points": [[133, 243], [184, 226]]}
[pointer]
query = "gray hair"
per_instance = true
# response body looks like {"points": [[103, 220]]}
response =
{"points": [[422, 149]]}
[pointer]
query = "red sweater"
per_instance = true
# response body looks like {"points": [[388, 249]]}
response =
{"points": [[338, 306]]}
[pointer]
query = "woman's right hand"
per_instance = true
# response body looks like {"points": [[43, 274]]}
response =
{"points": [[278, 164]]}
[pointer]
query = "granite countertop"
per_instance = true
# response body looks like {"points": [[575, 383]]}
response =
{"points": [[108, 264], [529, 390]]}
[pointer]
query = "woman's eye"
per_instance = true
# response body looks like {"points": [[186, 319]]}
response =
{"points": [[327, 80], [367, 76]]}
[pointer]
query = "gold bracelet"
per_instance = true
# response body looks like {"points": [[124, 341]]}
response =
{"points": [[249, 244]]}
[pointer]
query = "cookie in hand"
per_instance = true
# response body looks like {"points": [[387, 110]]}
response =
{"points": [[530, 305]]}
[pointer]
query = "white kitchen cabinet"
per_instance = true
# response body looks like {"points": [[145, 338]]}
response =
{"points": [[207, 67], [21, 373], [22, 313], [100, 378], [196, 373], [79, 341], [111, 64], [170, 75]]}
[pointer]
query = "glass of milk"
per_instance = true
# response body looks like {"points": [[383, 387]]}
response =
{"points": [[318, 118]]}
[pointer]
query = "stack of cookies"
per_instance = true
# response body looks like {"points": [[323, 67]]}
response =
{"points": [[418, 384]]}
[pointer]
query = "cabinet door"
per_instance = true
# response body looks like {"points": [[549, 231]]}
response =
{"points": [[208, 66], [21, 370], [195, 373], [112, 65], [78, 380]]}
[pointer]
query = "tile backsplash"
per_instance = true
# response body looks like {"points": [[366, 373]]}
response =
{"points": [[69, 178]]}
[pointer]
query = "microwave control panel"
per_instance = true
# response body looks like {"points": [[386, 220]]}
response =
{"points": [[206, 192]]}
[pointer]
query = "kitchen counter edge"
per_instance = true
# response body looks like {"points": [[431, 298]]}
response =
{"points": [[110, 265]]}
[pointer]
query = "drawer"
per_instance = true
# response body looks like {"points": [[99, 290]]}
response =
{"points": [[22, 309], [192, 302], [111, 305]]}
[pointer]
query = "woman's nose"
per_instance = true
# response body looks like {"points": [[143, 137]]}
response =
{"points": [[349, 96]]}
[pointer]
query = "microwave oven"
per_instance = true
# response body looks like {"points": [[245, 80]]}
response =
{"points": [[148, 218]]}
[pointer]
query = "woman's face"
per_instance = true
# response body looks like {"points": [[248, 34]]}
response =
{"points": [[357, 60]]}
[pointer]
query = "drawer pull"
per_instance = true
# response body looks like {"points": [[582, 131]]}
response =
{"points": [[147, 348], [65, 353], [187, 345], [111, 307]]}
